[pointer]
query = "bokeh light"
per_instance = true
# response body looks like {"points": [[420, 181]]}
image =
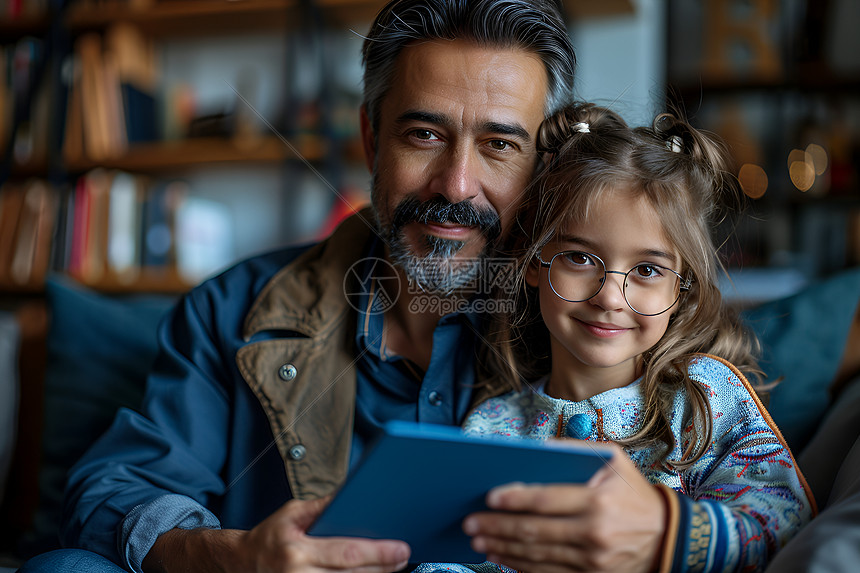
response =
{"points": [[802, 174], [753, 180], [819, 157], [799, 155]]}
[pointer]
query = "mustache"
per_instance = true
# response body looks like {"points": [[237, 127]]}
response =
{"points": [[439, 210]]}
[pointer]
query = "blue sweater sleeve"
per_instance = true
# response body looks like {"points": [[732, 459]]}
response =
{"points": [[745, 498]]}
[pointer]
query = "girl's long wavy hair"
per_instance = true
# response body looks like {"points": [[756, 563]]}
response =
{"points": [[684, 174]]}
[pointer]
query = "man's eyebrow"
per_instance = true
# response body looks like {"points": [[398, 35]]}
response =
{"points": [[509, 129], [424, 117], [512, 129]]}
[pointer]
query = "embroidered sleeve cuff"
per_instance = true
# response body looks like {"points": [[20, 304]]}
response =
{"points": [[704, 541], [142, 526]]}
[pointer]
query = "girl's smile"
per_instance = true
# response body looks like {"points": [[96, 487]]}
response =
{"points": [[597, 343], [601, 329]]}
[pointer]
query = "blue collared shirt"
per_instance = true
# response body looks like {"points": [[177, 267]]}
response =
{"points": [[391, 387]]}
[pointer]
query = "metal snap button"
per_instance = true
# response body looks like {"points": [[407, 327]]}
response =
{"points": [[287, 372], [435, 398], [298, 452]]}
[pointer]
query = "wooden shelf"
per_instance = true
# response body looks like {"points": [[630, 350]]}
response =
{"points": [[208, 17], [186, 153], [36, 167], [24, 25], [150, 281], [818, 82]]}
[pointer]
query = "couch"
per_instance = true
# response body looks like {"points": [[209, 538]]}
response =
{"points": [[69, 362]]}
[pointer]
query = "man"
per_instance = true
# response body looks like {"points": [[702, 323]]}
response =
{"points": [[272, 352]]}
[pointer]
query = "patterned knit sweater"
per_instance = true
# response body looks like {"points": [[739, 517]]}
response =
{"points": [[732, 509]]}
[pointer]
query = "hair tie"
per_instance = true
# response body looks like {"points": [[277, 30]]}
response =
{"points": [[581, 127], [675, 143]]}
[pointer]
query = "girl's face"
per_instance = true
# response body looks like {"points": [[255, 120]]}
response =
{"points": [[596, 344]]}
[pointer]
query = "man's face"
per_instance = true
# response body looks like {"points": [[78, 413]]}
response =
{"points": [[454, 151]]}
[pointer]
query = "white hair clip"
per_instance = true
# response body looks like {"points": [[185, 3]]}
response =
{"points": [[581, 127], [675, 143]]}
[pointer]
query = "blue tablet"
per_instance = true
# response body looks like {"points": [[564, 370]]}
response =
{"points": [[417, 482]]}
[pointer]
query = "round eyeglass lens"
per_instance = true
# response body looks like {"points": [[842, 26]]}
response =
{"points": [[651, 289], [576, 276]]}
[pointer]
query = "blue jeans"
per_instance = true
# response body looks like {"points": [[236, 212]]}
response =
{"points": [[70, 561]]}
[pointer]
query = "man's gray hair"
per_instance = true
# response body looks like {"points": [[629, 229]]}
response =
{"points": [[536, 26]]}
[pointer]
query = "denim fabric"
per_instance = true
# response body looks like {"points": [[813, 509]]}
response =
{"points": [[70, 561], [146, 522]]}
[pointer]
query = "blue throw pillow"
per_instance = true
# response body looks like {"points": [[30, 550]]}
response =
{"points": [[99, 350], [803, 339]]}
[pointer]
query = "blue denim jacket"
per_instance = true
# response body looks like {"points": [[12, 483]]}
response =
{"points": [[267, 349], [202, 445]]}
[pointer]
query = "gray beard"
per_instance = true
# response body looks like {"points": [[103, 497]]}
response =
{"points": [[436, 272]]}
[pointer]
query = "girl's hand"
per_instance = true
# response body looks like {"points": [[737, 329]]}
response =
{"points": [[614, 523]]}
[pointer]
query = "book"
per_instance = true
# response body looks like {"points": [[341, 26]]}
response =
{"points": [[32, 242], [11, 203], [93, 261], [158, 226], [124, 219], [140, 114], [94, 105], [135, 78], [73, 131], [79, 226]]}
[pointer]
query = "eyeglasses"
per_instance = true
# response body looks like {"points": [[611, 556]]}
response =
{"points": [[648, 289]]}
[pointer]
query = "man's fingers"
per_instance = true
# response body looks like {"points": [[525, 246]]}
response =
{"points": [[302, 513]]}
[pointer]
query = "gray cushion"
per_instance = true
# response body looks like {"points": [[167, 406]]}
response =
{"points": [[823, 456], [830, 543]]}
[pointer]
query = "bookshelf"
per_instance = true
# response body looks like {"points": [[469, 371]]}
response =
{"points": [[117, 54], [160, 156], [781, 84], [124, 88], [213, 17]]}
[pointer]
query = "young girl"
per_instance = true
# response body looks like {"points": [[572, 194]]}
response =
{"points": [[625, 339]]}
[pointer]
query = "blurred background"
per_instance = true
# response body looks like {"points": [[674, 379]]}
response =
{"points": [[147, 144], [150, 143]]}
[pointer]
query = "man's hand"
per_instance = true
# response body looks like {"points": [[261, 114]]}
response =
{"points": [[614, 523], [279, 544]]}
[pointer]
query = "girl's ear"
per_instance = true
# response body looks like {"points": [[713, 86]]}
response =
{"points": [[533, 273]]}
